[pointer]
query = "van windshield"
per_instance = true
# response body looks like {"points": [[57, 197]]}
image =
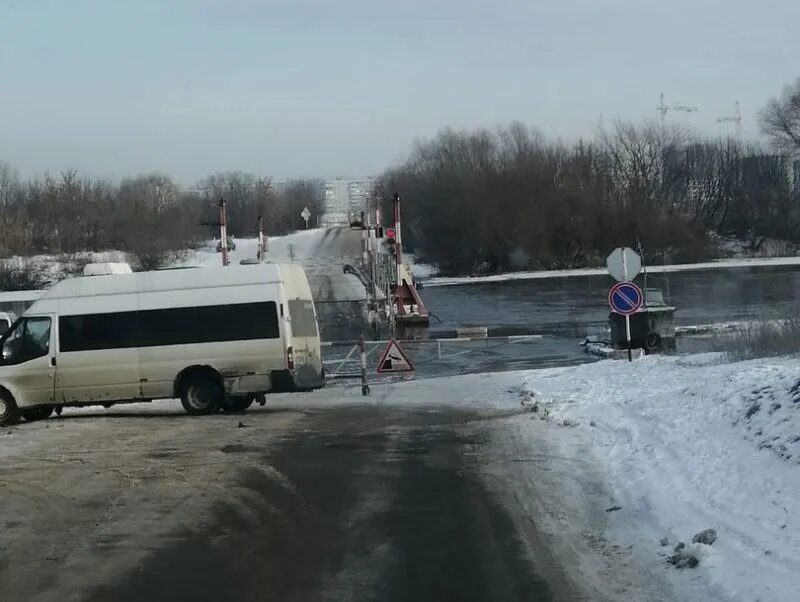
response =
{"points": [[304, 323]]}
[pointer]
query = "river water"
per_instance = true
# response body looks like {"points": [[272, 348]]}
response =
{"points": [[567, 309], [570, 304]]}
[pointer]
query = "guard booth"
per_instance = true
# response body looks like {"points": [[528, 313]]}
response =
{"points": [[652, 329]]}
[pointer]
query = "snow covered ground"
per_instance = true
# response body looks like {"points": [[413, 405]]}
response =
{"points": [[690, 443], [298, 245]]}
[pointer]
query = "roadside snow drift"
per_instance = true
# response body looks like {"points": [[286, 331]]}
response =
{"points": [[691, 443]]}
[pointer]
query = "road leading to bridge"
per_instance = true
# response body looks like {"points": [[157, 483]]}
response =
{"points": [[371, 505], [354, 502], [439, 489]]}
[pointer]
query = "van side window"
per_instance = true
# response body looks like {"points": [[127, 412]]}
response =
{"points": [[28, 340], [97, 331], [169, 326], [304, 324]]}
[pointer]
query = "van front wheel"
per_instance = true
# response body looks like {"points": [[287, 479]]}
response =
{"points": [[203, 394], [9, 412]]}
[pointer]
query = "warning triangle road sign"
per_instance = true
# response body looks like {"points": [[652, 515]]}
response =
{"points": [[394, 359]]}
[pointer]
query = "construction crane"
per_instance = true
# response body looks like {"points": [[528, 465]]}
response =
{"points": [[663, 108], [735, 118]]}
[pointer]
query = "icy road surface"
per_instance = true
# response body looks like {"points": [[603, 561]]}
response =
{"points": [[554, 484], [318, 497]]}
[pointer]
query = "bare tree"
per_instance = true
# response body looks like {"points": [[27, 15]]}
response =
{"points": [[780, 119], [152, 209], [12, 235], [246, 195]]}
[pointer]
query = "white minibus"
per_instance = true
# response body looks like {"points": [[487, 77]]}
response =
{"points": [[217, 338]]}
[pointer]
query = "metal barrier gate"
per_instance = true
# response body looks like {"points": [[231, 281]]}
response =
{"points": [[444, 357]]}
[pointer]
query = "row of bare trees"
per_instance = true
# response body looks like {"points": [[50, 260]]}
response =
{"points": [[149, 216], [497, 200], [477, 200]]}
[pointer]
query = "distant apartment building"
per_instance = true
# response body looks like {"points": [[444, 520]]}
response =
{"points": [[344, 200], [698, 168]]}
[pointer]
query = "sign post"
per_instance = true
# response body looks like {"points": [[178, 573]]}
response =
{"points": [[306, 215], [625, 298], [627, 317], [624, 264]]}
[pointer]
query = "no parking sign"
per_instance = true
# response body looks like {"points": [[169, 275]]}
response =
{"points": [[625, 298]]}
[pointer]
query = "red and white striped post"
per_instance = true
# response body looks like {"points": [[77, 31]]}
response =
{"points": [[398, 257], [223, 231], [363, 347], [364, 241], [397, 234]]}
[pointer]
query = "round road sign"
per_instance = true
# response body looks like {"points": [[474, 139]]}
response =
{"points": [[625, 298]]}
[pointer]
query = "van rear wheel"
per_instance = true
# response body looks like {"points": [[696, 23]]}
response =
{"points": [[9, 412], [238, 403], [203, 394], [37, 413]]}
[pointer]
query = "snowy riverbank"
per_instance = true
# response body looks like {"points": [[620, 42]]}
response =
{"points": [[689, 443]]}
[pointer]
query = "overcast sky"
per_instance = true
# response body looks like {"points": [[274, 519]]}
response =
{"points": [[343, 87]]}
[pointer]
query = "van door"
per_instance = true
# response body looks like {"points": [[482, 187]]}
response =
{"points": [[305, 343], [97, 358], [28, 352]]}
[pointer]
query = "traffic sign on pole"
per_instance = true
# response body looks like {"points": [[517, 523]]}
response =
{"points": [[306, 215], [394, 359], [624, 264], [625, 298]]}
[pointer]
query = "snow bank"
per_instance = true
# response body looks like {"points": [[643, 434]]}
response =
{"points": [[419, 269], [691, 443], [657, 269]]}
